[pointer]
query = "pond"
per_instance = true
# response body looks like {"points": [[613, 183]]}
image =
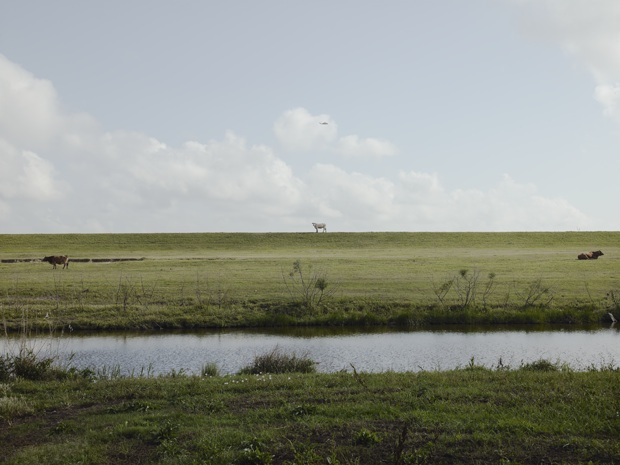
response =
{"points": [[369, 350]]}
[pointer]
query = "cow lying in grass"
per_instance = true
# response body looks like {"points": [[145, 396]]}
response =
{"points": [[589, 255], [57, 260]]}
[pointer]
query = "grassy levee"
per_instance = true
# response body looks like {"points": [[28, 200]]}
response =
{"points": [[539, 413], [239, 279], [472, 415]]}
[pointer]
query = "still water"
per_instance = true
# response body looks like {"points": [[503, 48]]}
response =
{"points": [[369, 350]]}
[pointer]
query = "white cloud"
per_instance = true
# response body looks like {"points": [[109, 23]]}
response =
{"points": [[353, 146], [587, 30], [26, 178], [196, 183], [31, 116], [298, 130], [28, 107], [512, 206], [122, 180], [418, 186], [235, 172], [61, 172], [25, 175], [418, 202], [608, 95], [355, 195]]}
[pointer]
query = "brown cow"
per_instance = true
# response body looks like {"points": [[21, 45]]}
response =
{"points": [[57, 260], [589, 255]]}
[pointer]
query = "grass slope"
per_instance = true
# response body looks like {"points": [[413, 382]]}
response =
{"points": [[242, 279]]}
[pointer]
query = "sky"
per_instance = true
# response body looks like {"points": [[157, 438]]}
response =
{"points": [[204, 116]]}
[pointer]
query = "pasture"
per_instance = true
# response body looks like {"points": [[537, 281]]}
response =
{"points": [[472, 415], [54, 414], [245, 279]]}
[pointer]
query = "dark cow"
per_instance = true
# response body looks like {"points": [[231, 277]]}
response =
{"points": [[57, 260], [589, 255]]}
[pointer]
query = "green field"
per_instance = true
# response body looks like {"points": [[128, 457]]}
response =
{"points": [[538, 414], [239, 279]]}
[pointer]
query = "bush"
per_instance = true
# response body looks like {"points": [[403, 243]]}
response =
{"points": [[307, 287], [277, 362], [541, 365], [28, 365], [210, 369]]}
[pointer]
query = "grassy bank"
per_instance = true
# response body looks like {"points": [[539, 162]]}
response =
{"points": [[225, 280], [539, 413]]}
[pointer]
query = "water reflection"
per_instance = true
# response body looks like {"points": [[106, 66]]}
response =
{"points": [[335, 349]]}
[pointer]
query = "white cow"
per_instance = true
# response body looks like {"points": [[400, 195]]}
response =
{"points": [[318, 226]]}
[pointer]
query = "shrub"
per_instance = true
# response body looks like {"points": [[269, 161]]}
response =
{"points": [[536, 293], [277, 362], [307, 287], [466, 285], [210, 369], [540, 365], [28, 365]]}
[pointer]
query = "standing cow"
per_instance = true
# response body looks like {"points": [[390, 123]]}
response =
{"points": [[318, 226], [57, 260], [589, 255]]}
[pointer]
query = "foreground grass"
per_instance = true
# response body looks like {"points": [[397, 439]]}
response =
{"points": [[537, 414], [227, 280]]}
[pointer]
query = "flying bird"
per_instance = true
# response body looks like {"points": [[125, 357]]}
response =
{"points": [[322, 122]]}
